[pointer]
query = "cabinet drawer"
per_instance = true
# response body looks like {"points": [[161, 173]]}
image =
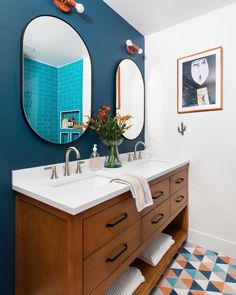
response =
{"points": [[153, 220], [108, 223], [178, 180], [160, 192], [178, 199], [99, 265]]}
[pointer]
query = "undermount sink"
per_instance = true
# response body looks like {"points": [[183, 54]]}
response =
{"points": [[151, 164], [80, 183]]}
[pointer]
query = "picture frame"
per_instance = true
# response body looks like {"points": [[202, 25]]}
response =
{"points": [[200, 81]]}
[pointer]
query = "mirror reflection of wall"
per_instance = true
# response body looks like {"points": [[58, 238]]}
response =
{"points": [[130, 96], [56, 80]]}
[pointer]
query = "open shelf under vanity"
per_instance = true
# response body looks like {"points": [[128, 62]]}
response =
{"points": [[153, 274]]}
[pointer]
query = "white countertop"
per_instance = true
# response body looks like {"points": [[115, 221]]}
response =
{"points": [[79, 192]]}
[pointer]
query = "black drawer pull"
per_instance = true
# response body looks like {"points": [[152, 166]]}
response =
{"points": [[125, 216], [178, 181], [118, 255], [158, 196], [179, 199], [159, 219]]}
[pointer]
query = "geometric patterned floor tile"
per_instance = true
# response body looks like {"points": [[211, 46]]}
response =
{"points": [[198, 271]]}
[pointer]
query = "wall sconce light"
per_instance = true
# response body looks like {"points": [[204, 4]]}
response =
{"points": [[66, 5], [132, 48]]}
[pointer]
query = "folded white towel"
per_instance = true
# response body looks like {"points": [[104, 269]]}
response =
{"points": [[139, 188], [157, 249], [127, 283]]}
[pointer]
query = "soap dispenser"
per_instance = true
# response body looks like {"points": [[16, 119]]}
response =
{"points": [[95, 159]]}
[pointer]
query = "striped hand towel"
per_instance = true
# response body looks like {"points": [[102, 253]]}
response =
{"points": [[139, 188]]}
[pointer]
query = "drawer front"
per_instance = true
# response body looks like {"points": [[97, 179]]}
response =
{"points": [[106, 224], [178, 180], [103, 262], [179, 199], [160, 192], [153, 220]]}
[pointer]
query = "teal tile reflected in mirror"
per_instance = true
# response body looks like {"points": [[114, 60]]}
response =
{"points": [[56, 80]]}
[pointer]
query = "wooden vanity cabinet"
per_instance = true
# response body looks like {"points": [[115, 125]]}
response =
{"points": [[108, 223], [58, 253]]}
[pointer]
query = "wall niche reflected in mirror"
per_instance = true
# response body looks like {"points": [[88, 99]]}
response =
{"points": [[56, 80]]}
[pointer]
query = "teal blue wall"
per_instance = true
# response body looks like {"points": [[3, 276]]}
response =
{"points": [[105, 34]]}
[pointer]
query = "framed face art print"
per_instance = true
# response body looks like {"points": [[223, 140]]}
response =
{"points": [[200, 82]]}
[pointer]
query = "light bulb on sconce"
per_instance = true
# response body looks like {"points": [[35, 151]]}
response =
{"points": [[79, 7], [140, 51], [133, 48], [66, 5], [129, 43]]}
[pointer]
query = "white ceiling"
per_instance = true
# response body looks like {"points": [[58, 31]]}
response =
{"points": [[52, 41], [149, 16]]}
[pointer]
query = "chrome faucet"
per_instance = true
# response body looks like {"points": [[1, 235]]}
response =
{"points": [[67, 161], [135, 150]]}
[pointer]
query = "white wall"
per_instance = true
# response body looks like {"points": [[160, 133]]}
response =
{"points": [[210, 140], [131, 96], [87, 89]]}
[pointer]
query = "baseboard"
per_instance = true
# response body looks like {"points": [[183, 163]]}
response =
{"points": [[216, 244]]}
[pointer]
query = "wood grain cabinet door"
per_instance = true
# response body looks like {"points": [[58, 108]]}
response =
{"points": [[153, 220], [160, 192], [108, 223], [104, 261], [179, 199], [178, 180]]}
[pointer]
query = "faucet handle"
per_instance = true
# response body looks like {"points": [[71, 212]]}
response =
{"points": [[54, 171], [135, 156], [130, 157], [78, 169], [140, 156]]}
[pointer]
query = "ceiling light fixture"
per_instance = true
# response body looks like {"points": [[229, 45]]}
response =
{"points": [[66, 5], [132, 48]]}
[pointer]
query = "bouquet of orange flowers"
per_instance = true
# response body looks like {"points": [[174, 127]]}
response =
{"points": [[109, 127]]}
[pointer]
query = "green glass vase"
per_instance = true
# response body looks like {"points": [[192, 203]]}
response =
{"points": [[112, 159]]}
